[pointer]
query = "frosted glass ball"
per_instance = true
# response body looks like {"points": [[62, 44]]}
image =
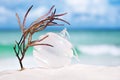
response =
{"points": [[53, 57]]}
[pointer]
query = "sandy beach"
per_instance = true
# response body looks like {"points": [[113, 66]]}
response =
{"points": [[71, 72]]}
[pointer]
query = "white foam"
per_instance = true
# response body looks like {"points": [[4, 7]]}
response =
{"points": [[100, 50]]}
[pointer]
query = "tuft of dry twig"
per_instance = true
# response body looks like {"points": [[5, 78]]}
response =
{"points": [[40, 24]]}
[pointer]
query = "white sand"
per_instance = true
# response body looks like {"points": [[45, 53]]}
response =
{"points": [[72, 72]]}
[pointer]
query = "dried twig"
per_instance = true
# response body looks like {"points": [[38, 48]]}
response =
{"points": [[41, 23]]}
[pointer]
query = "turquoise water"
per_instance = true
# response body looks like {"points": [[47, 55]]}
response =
{"points": [[93, 47]]}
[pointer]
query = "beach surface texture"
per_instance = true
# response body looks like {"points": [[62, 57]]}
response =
{"points": [[71, 72]]}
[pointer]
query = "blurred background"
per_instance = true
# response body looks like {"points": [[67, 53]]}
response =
{"points": [[94, 29]]}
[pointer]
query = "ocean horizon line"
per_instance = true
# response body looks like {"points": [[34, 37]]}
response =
{"points": [[70, 29]]}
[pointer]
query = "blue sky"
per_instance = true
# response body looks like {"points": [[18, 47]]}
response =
{"points": [[88, 14]]}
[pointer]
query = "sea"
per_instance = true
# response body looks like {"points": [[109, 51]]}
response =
{"points": [[94, 47]]}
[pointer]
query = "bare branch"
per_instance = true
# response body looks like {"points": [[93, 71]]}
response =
{"points": [[44, 16], [62, 20], [55, 24], [40, 24], [36, 41], [57, 15], [18, 19], [24, 20], [41, 44]]}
